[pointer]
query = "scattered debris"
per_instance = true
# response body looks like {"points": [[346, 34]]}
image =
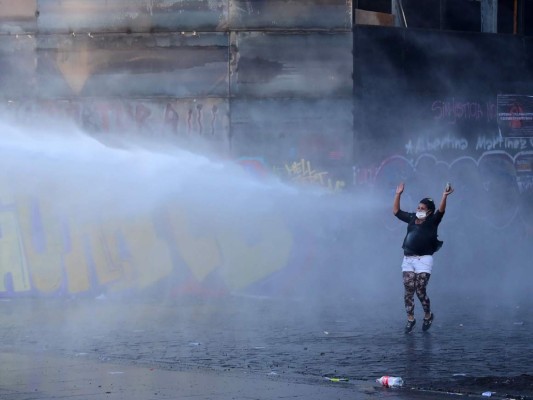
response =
{"points": [[336, 379], [390, 381]]}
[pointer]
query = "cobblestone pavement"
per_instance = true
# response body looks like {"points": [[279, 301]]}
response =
{"points": [[470, 349]]}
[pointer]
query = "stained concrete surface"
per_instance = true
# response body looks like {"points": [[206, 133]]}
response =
{"points": [[255, 348], [38, 376]]}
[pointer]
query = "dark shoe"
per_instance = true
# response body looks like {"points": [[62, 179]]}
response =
{"points": [[410, 325], [427, 323]]}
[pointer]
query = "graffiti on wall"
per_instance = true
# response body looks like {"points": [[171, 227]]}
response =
{"points": [[482, 143], [515, 115], [494, 188], [206, 118], [298, 172], [491, 170], [302, 171], [452, 110], [42, 254]]}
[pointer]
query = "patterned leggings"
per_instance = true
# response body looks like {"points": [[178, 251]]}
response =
{"points": [[412, 283]]}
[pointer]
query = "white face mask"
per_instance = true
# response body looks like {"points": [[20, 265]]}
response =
{"points": [[421, 214]]}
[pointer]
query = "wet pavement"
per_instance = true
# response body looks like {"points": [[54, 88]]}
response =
{"points": [[243, 347]]}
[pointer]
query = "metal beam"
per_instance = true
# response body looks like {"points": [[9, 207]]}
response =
{"points": [[442, 14], [399, 13], [489, 16]]}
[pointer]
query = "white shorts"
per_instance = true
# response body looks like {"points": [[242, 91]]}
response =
{"points": [[417, 264]]}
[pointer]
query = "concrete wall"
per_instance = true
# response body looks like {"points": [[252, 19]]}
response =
{"points": [[265, 83], [264, 55], [271, 84], [429, 110]]}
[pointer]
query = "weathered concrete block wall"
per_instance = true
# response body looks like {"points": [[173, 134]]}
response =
{"points": [[248, 52], [265, 82], [273, 84]]}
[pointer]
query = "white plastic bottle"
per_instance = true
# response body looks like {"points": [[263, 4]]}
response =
{"points": [[390, 381]]}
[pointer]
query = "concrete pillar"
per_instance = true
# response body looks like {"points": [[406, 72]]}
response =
{"points": [[489, 16]]}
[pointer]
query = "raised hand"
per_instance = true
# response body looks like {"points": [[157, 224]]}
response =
{"points": [[399, 188], [448, 189]]}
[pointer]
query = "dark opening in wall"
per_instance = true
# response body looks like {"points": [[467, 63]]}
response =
{"points": [[505, 16], [462, 15], [383, 6], [515, 16], [424, 14], [528, 18], [456, 15]]}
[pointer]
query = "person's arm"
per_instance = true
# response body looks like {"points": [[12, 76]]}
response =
{"points": [[442, 205], [396, 203]]}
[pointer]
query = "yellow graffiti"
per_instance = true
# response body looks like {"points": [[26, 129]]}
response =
{"points": [[12, 261], [12, 254], [302, 172], [145, 258], [76, 265], [104, 260], [199, 251], [42, 241], [247, 263], [128, 254], [43, 252]]}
